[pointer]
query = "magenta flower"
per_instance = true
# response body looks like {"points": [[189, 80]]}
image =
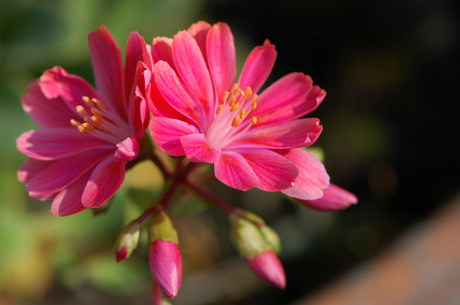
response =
{"points": [[252, 140], [77, 158], [335, 198]]}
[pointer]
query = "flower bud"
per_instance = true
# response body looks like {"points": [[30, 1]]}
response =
{"points": [[164, 256], [257, 244], [127, 241], [334, 198]]}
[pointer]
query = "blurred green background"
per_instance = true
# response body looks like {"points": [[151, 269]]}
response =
{"points": [[391, 70]]}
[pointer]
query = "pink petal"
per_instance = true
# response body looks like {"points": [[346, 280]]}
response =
{"points": [[30, 168], [199, 31], [258, 66], [127, 150], [233, 170], [166, 266], [192, 68], [275, 173], [68, 201], [161, 50], [197, 149], [297, 133], [334, 198], [105, 180], [294, 109], [139, 114], [221, 57], [176, 94], [43, 111], [167, 133], [312, 178], [56, 143], [57, 83], [268, 267], [108, 69], [135, 51], [159, 106], [63, 172]]}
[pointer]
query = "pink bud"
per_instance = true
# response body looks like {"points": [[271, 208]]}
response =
{"points": [[121, 254], [166, 266], [268, 267], [334, 198]]}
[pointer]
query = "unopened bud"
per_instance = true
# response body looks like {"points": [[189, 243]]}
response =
{"points": [[127, 241], [257, 243], [164, 256], [334, 198]]}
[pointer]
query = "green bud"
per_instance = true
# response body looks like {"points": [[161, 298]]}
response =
{"points": [[127, 241], [161, 227]]}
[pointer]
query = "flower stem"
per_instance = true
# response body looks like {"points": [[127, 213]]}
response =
{"points": [[213, 199]]}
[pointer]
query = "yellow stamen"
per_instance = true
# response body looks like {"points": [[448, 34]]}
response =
{"points": [[219, 109], [87, 127], [81, 111], [254, 98], [96, 121], [97, 113], [231, 101], [236, 121], [242, 113], [87, 101], [254, 106], [225, 96], [98, 103], [235, 107], [247, 92], [254, 120]]}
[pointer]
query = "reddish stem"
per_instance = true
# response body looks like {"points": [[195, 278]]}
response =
{"points": [[215, 200]]}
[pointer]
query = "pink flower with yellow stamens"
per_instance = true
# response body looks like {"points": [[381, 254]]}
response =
{"points": [[200, 111], [77, 158]]}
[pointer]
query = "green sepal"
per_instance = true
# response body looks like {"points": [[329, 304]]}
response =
{"points": [[161, 227]]}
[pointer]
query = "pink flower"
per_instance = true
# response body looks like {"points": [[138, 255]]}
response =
{"points": [[335, 198], [77, 158], [252, 140], [268, 267]]}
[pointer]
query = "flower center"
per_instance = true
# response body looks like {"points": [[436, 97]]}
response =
{"points": [[231, 120], [102, 123]]}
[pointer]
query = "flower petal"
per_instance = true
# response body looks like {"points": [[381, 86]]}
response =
{"points": [[233, 170], [161, 50], [312, 178], [176, 94], [63, 172], [135, 51], [192, 68], [334, 198], [68, 201], [43, 111], [221, 57], [30, 168], [167, 133], [199, 31], [108, 69], [105, 180], [290, 134], [127, 150], [275, 173], [197, 149], [258, 66], [56, 143]]}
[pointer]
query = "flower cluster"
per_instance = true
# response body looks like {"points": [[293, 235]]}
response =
{"points": [[185, 91]]}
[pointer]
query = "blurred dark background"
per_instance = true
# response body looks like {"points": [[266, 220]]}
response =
{"points": [[390, 118]]}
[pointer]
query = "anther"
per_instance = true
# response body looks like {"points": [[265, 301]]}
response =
{"points": [[231, 101], [235, 107], [81, 111], [254, 98], [87, 101], [82, 129], [96, 121], [242, 113], [74, 123], [236, 121], [234, 87], [254, 106], [99, 103], [254, 120], [97, 113], [87, 127], [219, 109], [225, 96], [247, 92]]}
